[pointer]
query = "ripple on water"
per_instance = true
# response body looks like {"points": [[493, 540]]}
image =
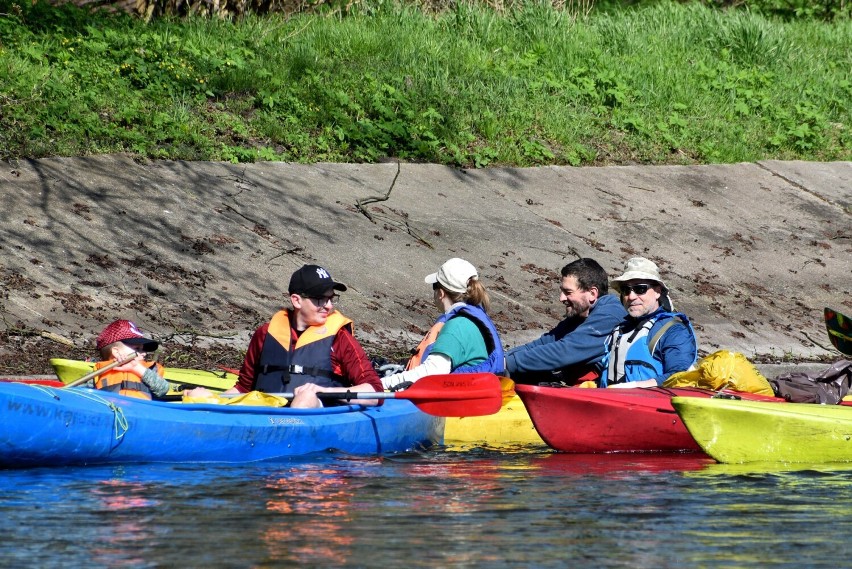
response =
{"points": [[524, 507]]}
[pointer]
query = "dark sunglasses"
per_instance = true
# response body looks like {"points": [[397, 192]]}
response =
{"points": [[639, 289], [321, 301]]}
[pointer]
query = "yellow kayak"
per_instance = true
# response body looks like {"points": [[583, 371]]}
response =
{"points": [[71, 370], [738, 431], [511, 426]]}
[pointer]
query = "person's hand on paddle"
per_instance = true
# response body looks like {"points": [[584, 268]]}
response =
{"points": [[134, 366], [435, 364], [392, 382], [457, 395], [305, 396], [198, 393]]}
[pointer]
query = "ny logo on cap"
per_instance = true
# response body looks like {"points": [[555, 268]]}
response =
{"points": [[322, 273]]}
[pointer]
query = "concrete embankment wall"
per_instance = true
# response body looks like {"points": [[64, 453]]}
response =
{"points": [[752, 252]]}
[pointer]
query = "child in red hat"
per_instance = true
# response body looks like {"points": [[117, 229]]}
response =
{"points": [[136, 378]]}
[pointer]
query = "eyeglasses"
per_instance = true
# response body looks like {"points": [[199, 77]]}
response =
{"points": [[639, 289], [321, 301]]}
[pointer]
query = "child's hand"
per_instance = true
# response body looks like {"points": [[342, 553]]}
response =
{"points": [[198, 392], [134, 366]]}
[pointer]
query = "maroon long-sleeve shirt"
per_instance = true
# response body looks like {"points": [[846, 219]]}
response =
{"points": [[348, 360]]}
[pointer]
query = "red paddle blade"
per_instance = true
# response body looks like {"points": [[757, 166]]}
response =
{"points": [[456, 395]]}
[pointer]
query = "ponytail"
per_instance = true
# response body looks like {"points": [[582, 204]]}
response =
{"points": [[475, 294]]}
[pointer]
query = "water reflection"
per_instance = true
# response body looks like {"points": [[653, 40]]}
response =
{"points": [[121, 506], [323, 495], [441, 508], [763, 468], [618, 465]]}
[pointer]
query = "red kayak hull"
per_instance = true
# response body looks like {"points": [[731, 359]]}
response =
{"points": [[33, 381], [612, 420]]}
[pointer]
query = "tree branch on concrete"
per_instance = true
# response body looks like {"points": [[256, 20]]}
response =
{"points": [[399, 223]]}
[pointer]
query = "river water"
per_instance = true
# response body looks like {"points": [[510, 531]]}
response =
{"points": [[439, 508]]}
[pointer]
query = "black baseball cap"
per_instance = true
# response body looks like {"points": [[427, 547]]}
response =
{"points": [[313, 280]]}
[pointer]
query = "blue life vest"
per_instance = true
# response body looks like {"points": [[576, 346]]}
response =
{"points": [[494, 363], [283, 367], [630, 355]]}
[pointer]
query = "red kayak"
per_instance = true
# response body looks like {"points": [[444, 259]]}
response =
{"points": [[580, 420], [33, 381]]}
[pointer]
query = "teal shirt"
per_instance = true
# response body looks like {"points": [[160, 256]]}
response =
{"points": [[462, 342]]}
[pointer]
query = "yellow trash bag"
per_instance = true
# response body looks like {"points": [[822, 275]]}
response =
{"points": [[255, 398], [723, 370]]}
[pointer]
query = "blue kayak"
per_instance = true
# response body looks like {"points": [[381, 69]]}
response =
{"points": [[44, 426]]}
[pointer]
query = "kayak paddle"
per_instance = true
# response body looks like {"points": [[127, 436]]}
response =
{"points": [[179, 385], [449, 395], [839, 330]]}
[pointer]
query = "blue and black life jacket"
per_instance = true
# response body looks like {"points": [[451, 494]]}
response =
{"points": [[283, 367]]}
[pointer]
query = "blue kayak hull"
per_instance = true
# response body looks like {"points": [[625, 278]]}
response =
{"points": [[42, 426]]}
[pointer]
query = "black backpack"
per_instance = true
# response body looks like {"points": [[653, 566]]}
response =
{"points": [[827, 388]]}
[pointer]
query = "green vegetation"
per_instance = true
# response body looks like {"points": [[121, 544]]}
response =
{"points": [[824, 9], [469, 85]]}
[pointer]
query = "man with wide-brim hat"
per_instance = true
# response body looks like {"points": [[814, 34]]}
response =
{"points": [[640, 270], [653, 342]]}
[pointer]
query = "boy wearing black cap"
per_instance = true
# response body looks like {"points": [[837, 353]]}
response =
{"points": [[308, 348], [136, 378]]}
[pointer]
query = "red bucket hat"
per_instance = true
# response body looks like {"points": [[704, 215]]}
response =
{"points": [[126, 332]]}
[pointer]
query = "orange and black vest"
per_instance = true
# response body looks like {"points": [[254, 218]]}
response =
{"points": [[283, 366], [125, 382]]}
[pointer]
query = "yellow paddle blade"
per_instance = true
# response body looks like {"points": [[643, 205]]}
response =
{"points": [[507, 389]]}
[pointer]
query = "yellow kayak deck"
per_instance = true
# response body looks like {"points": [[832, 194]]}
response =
{"points": [[71, 370], [511, 426]]}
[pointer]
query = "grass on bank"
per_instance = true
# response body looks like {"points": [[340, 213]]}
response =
{"points": [[471, 86]]}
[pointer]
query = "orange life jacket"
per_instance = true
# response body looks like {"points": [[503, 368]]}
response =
{"points": [[427, 341], [125, 382]]}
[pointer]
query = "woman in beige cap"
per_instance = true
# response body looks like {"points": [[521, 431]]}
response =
{"points": [[653, 342], [463, 339]]}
